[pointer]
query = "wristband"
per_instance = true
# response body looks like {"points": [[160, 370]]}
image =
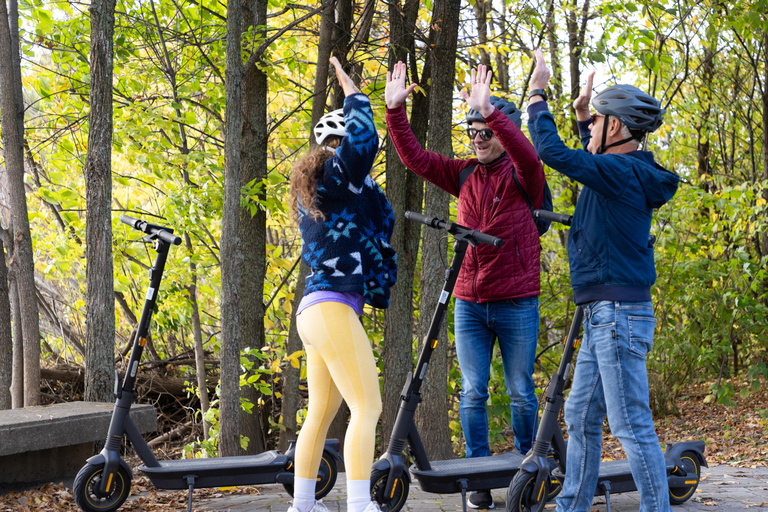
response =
{"points": [[538, 92]]}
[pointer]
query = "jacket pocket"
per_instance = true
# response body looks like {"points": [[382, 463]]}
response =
{"points": [[584, 250]]}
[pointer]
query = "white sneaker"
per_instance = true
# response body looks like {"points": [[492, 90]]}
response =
{"points": [[319, 507], [372, 507]]}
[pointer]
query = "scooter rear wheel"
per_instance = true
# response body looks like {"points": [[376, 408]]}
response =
{"points": [[395, 501], [521, 496], [326, 477], [86, 489], [690, 464]]}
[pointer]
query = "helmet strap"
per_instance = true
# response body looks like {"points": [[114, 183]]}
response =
{"points": [[603, 147]]}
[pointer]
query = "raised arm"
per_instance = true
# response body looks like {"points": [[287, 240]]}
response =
{"points": [[357, 151], [433, 167]]}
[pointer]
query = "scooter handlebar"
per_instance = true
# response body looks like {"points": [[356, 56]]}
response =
{"points": [[163, 233], [455, 229], [553, 217]]}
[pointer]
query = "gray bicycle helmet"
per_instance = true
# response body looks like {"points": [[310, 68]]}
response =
{"points": [[507, 108], [635, 109]]}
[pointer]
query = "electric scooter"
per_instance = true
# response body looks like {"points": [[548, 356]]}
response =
{"points": [[103, 483], [390, 478], [528, 490]]}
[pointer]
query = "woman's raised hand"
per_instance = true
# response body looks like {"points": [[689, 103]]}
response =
{"points": [[346, 83], [396, 91]]}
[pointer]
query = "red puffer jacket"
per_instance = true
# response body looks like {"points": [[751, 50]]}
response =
{"points": [[489, 201]]}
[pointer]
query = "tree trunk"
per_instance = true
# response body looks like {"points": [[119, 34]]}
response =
{"points": [[432, 417], [291, 376], [764, 238], [17, 381], [481, 10], [197, 336], [6, 336], [12, 113], [404, 192], [702, 126], [231, 250], [99, 287], [253, 228]]}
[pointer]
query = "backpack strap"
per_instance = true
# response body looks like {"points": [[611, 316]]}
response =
{"points": [[522, 190], [464, 174]]}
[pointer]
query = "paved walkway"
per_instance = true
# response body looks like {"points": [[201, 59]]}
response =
{"points": [[722, 489]]}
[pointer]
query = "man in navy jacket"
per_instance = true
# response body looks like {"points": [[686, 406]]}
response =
{"points": [[611, 261]]}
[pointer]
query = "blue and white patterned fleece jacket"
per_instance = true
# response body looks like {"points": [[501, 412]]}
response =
{"points": [[349, 251]]}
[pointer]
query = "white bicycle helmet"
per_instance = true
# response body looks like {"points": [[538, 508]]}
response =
{"points": [[330, 124]]}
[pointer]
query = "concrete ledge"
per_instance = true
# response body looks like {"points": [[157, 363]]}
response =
{"points": [[52, 426], [44, 443]]}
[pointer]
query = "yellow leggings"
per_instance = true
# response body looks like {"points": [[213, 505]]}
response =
{"points": [[340, 365]]}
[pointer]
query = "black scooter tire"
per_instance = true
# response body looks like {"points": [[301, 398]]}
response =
{"points": [[690, 464], [86, 486], [520, 490], [396, 500], [326, 477]]}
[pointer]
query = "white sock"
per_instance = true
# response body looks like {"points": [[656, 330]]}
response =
{"points": [[304, 493], [358, 495]]}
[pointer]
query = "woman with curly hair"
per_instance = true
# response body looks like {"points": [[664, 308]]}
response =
{"points": [[346, 224]]}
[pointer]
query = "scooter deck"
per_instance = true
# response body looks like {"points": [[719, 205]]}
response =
{"points": [[492, 472], [618, 473], [217, 472]]}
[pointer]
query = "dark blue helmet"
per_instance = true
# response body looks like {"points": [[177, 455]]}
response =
{"points": [[507, 108]]}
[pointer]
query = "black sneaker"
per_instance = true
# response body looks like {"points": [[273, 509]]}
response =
{"points": [[480, 499]]}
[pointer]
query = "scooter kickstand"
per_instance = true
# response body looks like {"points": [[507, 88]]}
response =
{"points": [[606, 487], [191, 483], [463, 484]]}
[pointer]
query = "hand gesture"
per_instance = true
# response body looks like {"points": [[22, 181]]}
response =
{"points": [[541, 73], [346, 83], [479, 97], [396, 91], [581, 104]]}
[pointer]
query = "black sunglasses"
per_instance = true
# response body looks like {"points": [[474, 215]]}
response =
{"points": [[486, 133], [595, 117]]}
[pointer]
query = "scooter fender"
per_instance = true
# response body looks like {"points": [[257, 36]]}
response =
{"points": [[99, 459], [394, 470], [286, 477], [674, 451], [331, 446], [537, 465], [110, 460]]}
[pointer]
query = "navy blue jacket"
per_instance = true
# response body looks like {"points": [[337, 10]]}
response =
{"points": [[349, 251], [609, 251]]}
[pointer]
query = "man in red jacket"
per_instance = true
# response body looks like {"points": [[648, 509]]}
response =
{"points": [[497, 291]]}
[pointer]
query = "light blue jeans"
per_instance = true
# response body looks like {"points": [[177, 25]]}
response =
{"points": [[515, 323], [610, 378]]}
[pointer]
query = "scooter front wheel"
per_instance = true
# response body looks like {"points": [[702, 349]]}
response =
{"points": [[521, 495], [326, 477], [396, 499], [86, 489], [690, 464]]}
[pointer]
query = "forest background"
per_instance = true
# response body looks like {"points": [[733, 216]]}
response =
{"points": [[188, 113]]}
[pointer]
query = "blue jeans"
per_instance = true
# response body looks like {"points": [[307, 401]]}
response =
{"points": [[515, 323], [611, 378]]}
